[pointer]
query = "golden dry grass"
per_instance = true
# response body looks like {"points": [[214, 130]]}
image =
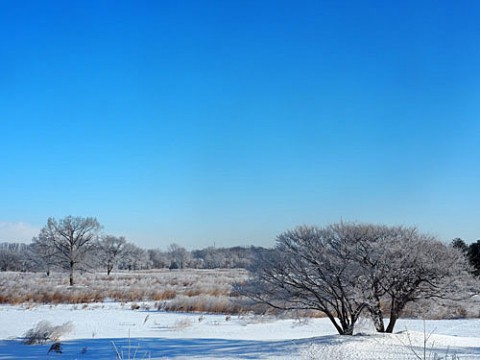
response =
{"points": [[183, 290]]}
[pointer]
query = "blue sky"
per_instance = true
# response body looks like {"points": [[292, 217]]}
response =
{"points": [[226, 123]]}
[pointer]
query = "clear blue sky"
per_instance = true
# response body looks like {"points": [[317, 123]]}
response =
{"points": [[228, 122]]}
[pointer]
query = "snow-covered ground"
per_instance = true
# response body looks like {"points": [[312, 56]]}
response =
{"points": [[100, 328]]}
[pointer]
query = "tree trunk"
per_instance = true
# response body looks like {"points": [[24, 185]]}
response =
{"points": [[333, 320], [72, 264], [377, 317], [395, 313], [348, 330], [347, 325], [391, 323]]}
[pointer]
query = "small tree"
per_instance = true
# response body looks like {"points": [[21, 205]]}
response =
{"points": [[474, 257], [74, 239], [110, 251], [134, 258], [8, 258], [179, 256], [44, 252], [14, 257], [158, 258]]}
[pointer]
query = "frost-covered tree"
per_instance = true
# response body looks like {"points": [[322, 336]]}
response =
{"points": [[158, 258], [422, 267], [400, 265], [134, 258], [110, 251], [44, 252], [345, 268], [458, 243], [226, 258], [308, 270], [74, 239], [14, 257], [179, 256], [209, 257]]}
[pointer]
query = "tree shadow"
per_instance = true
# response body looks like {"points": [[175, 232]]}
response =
{"points": [[156, 348]]}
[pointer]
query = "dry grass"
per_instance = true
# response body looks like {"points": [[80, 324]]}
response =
{"points": [[182, 324], [428, 309], [183, 290], [205, 304], [179, 290], [44, 332]]}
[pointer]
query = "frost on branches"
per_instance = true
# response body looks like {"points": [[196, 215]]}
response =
{"points": [[345, 269]]}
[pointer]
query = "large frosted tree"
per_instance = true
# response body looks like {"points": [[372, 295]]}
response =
{"points": [[399, 265], [345, 268], [308, 270], [74, 239]]}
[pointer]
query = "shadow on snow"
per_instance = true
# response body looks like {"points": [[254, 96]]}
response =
{"points": [[155, 348]]}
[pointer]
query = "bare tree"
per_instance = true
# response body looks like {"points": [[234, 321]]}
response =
{"points": [[226, 258], [179, 256], [14, 257], [44, 252], [134, 258], [399, 265], [110, 251], [307, 270], [420, 267], [158, 258], [345, 268], [74, 239], [8, 257]]}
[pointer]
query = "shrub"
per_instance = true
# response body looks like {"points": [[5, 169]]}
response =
{"points": [[182, 324], [44, 331], [203, 303]]}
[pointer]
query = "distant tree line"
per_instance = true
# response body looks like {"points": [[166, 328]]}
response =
{"points": [[15, 257], [76, 244]]}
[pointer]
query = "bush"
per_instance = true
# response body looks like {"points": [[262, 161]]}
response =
{"points": [[44, 331], [204, 304]]}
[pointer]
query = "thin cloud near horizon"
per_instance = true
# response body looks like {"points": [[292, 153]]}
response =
{"points": [[17, 231]]}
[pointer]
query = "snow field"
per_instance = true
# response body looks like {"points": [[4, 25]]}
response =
{"points": [[161, 335]]}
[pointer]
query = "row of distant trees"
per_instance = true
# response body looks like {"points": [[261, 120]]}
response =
{"points": [[76, 243]]}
